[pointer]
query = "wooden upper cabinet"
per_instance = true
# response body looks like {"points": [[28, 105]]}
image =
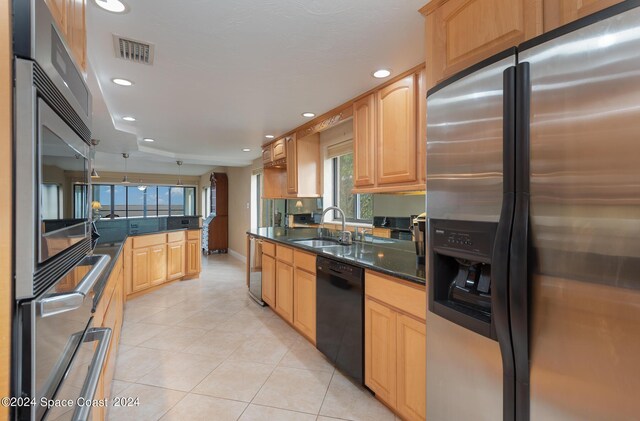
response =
{"points": [[279, 150], [561, 12], [266, 155], [77, 31], [58, 10], [397, 151], [291, 148], [69, 15], [460, 33], [364, 134]]}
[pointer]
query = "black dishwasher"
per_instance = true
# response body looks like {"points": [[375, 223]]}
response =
{"points": [[340, 315]]}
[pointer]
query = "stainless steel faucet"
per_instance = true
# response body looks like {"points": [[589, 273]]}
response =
{"points": [[345, 236]]}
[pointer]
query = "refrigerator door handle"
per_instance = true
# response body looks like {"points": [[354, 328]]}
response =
{"points": [[518, 268], [500, 256]]}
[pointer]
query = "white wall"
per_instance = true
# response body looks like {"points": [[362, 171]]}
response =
{"points": [[240, 205]]}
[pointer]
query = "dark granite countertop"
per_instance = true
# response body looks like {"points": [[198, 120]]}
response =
{"points": [[112, 246], [392, 257]]}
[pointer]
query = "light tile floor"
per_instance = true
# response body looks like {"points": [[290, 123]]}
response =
{"points": [[202, 350]]}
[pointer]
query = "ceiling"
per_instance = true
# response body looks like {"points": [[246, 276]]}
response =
{"points": [[226, 73]]}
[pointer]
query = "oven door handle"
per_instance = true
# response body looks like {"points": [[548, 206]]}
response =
{"points": [[60, 303], [103, 336]]}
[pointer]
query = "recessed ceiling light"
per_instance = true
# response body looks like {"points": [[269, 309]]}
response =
{"points": [[382, 73], [148, 139], [122, 82], [308, 115], [129, 118], [270, 136], [246, 150], [115, 6]]}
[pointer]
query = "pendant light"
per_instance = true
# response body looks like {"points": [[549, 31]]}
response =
{"points": [[125, 179], [94, 143], [179, 173]]}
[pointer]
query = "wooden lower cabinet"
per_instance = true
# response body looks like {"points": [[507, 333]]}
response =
{"points": [[380, 350], [193, 256], [175, 260], [110, 313], [140, 269], [158, 258], [269, 280], [284, 291], [411, 367], [158, 264], [395, 344], [304, 303]]}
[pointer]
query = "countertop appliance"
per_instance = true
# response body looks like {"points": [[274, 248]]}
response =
{"points": [[340, 315], [399, 226], [418, 231], [534, 228], [254, 269]]}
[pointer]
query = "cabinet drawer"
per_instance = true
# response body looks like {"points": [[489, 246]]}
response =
{"points": [[175, 236], [149, 240], [397, 293], [306, 261], [284, 254], [269, 249], [193, 235]]}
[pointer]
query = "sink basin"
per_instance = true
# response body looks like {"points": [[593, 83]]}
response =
{"points": [[318, 243]]}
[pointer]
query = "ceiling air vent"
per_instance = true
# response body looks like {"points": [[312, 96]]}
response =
{"points": [[132, 50]]}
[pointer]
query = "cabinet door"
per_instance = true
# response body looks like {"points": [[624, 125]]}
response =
{"points": [[292, 165], [397, 146], [175, 260], [411, 369], [140, 269], [266, 154], [364, 141], [158, 264], [278, 150], [58, 10], [561, 12], [269, 280], [193, 257], [284, 291], [304, 303], [461, 33], [380, 350], [77, 31]]}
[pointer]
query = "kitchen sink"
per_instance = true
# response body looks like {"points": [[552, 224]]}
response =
{"points": [[317, 242]]}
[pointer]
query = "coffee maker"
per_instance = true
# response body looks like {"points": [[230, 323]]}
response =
{"points": [[419, 236]]}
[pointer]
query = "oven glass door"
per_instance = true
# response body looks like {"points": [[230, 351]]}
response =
{"points": [[63, 179]]}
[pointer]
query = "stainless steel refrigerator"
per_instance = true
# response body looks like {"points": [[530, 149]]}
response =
{"points": [[533, 181]]}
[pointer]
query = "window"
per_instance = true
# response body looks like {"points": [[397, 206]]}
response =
{"points": [[118, 201], [51, 203], [80, 205], [356, 207]]}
